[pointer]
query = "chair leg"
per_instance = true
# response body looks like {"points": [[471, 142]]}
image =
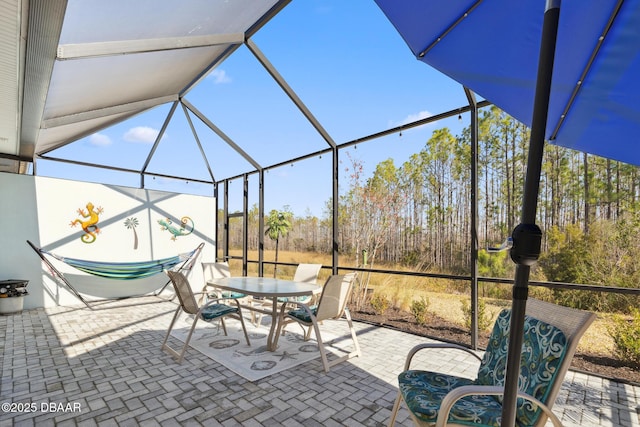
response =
{"points": [[244, 329], [347, 315], [307, 334], [202, 297], [224, 327], [323, 352], [187, 340], [178, 355], [256, 315], [280, 329], [394, 411], [173, 321]]}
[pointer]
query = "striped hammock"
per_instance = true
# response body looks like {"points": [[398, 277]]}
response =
{"points": [[123, 270]]}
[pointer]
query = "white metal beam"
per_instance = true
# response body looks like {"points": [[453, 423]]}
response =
{"points": [[126, 47], [107, 111]]}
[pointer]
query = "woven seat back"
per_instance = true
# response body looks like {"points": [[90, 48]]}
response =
{"points": [[307, 273], [184, 292], [335, 294]]}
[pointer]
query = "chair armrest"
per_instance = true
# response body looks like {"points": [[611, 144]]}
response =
{"points": [[419, 347], [302, 305], [211, 301], [468, 390]]}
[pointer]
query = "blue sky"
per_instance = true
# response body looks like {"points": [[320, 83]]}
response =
{"points": [[344, 60]]}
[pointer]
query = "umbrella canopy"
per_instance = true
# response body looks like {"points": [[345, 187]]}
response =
{"points": [[492, 48], [569, 72]]}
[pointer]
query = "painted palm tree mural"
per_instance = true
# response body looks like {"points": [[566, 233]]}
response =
{"points": [[131, 224], [278, 225]]}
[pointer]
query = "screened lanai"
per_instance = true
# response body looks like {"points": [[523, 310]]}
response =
{"points": [[95, 65], [250, 101], [219, 98], [246, 101]]}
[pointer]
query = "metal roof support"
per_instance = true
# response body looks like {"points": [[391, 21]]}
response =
{"points": [[290, 93], [133, 107], [216, 222], [390, 131], [474, 217], [245, 224], [221, 134], [261, 223], [335, 205], [233, 47], [119, 169], [155, 144], [195, 136], [225, 231], [126, 47]]}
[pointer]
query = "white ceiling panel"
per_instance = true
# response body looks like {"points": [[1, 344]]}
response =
{"points": [[96, 83], [9, 79], [69, 68], [98, 20]]}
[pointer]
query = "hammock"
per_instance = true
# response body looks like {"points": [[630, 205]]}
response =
{"points": [[123, 270], [120, 270]]}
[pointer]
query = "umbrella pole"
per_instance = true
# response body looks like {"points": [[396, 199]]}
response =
{"points": [[527, 236]]}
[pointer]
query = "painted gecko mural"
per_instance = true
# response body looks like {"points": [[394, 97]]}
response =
{"points": [[186, 226], [90, 224]]}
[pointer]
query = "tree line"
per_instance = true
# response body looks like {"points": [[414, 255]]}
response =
{"points": [[419, 213]]}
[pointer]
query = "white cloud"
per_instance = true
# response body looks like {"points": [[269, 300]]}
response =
{"points": [[413, 117], [410, 119], [99, 139], [219, 76], [141, 134]]}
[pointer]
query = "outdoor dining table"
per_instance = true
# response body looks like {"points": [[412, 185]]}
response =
{"points": [[266, 287]]}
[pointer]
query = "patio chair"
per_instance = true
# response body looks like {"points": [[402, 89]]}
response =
{"points": [[218, 270], [212, 310], [331, 305], [306, 273], [551, 335]]}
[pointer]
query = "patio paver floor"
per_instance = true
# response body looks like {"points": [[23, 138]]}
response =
{"points": [[70, 366]]}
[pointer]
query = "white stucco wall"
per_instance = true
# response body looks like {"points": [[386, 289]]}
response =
{"points": [[41, 210]]}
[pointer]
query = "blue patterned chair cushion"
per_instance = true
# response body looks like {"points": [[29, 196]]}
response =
{"points": [[226, 294], [229, 294], [544, 348], [303, 299], [302, 314], [423, 391], [216, 310]]}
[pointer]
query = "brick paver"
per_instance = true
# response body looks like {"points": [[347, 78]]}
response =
{"points": [[73, 366]]}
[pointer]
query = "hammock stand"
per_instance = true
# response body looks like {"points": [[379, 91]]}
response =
{"points": [[120, 270]]}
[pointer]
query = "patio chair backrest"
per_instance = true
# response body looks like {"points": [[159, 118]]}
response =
{"points": [[573, 324], [184, 292], [550, 337], [307, 273], [215, 270], [335, 294]]}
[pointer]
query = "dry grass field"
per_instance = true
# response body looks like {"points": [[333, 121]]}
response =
{"points": [[446, 320], [445, 298]]}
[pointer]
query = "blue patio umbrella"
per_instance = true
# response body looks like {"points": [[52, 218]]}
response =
{"points": [[570, 70]]}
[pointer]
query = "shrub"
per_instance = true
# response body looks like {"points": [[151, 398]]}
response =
{"points": [[626, 337], [485, 319], [380, 303], [419, 309]]}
